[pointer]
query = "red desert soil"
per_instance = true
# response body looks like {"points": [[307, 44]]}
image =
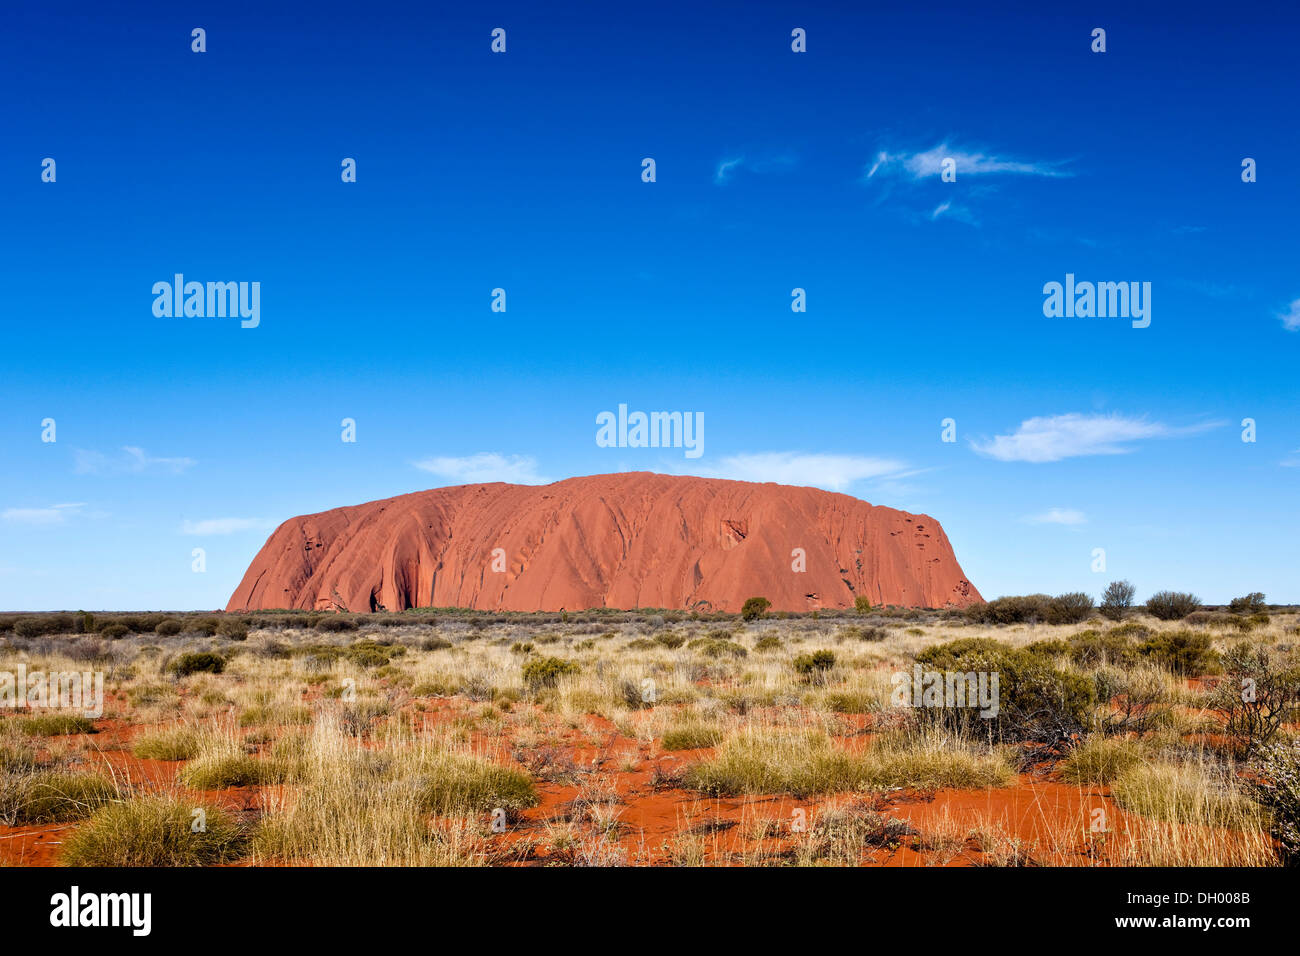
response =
{"points": [[593, 762], [628, 540]]}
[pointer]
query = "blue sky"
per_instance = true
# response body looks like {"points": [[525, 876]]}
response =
{"points": [[775, 170]]}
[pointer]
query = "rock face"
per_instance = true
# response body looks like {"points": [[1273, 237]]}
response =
{"points": [[630, 540]]}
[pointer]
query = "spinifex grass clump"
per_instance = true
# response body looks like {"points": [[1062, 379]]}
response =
{"points": [[170, 743], [156, 830], [53, 796], [54, 725], [759, 761], [386, 805]]}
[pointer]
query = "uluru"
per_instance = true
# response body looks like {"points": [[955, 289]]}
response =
{"points": [[627, 540]]}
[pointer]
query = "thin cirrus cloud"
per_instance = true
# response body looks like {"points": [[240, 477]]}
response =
{"points": [[923, 165], [54, 514], [832, 472], [213, 526], [726, 169], [485, 467], [1063, 516], [130, 461], [1056, 437], [1291, 317]]}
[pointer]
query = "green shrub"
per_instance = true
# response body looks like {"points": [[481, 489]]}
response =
{"points": [[546, 671], [197, 662], [1172, 605], [1012, 609], [671, 639], [1092, 649], [816, 662], [1131, 629], [1184, 652], [114, 632], [29, 627], [862, 604], [169, 628], [206, 626], [1069, 608], [233, 629], [1036, 701], [335, 624], [754, 608], [1051, 648], [769, 642]]}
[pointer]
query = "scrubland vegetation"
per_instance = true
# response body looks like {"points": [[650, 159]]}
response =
{"points": [[1156, 734]]}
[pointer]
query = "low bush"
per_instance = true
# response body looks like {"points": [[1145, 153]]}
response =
{"points": [[1036, 701], [1184, 652], [546, 671], [197, 662], [1172, 605]]}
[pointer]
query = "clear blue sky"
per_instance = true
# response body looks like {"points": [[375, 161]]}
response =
{"points": [[775, 170]]}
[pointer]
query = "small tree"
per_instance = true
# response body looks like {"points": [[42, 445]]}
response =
{"points": [[1117, 599], [862, 604], [754, 608], [1172, 605], [1249, 604]]}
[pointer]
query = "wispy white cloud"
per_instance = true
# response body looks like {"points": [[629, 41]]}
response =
{"points": [[485, 467], [949, 210], [832, 472], [1292, 460], [1291, 317], [1056, 437], [726, 168], [723, 173], [1065, 516], [923, 165], [131, 461], [54, 514], [211, 526]]}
